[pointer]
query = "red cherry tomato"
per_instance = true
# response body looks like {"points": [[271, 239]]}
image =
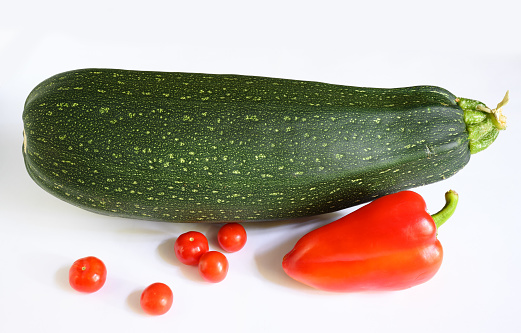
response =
{"points": [[232, 237], [213, 266], [87, 274], [190, 246], [156, 299]]}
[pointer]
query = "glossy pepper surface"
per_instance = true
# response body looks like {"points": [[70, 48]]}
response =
{"points": [[388, 244]]}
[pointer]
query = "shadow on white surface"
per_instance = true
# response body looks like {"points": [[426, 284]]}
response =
{"points": [[133, 302], [269, 264], [61, 277], [211, 234]]}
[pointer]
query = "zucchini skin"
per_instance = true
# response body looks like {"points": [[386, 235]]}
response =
{"points": [[188, 147]]}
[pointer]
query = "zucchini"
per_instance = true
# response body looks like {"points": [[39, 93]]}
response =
{"points": [[203, 147]]}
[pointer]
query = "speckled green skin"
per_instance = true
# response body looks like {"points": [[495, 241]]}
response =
{"points": [[197, 147]]}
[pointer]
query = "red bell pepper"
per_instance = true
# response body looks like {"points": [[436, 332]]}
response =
{"points": [[388, 244]]}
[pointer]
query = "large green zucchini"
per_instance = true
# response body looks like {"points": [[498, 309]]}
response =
{"points": [[198, 147]]}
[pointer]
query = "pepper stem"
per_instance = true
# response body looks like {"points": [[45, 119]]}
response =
{"points": [[451, 198]]}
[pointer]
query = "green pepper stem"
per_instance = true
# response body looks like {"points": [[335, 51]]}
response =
{"points": [[451, 198]]}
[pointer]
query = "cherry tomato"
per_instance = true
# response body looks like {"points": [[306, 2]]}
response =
{"points": [[213, 266], [87, 274], [190, 246], [231, 237], [156, 299]]}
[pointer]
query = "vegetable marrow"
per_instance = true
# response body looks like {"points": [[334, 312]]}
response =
{"points": [[189, 147]]}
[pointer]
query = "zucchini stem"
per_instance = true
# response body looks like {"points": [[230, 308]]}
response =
{"points": [[501, 120], [451, 201], [483, 124]]}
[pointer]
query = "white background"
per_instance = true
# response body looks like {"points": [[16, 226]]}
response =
{"points": [[471, 48]]}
